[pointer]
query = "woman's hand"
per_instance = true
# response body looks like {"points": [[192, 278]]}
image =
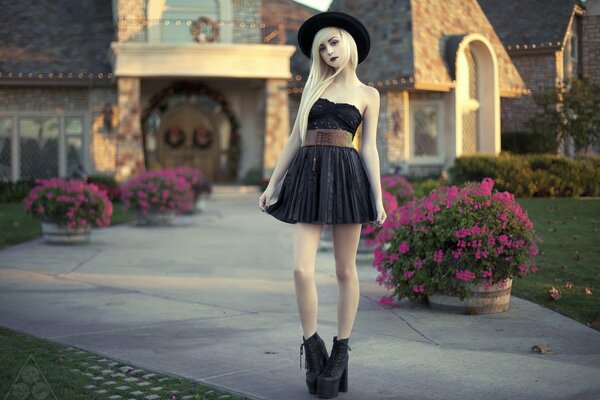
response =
{"points": [[265, 198], [381, 214]]}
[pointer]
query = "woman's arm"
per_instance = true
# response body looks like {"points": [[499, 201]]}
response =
{"points": [[288, 153], [368, 149]]}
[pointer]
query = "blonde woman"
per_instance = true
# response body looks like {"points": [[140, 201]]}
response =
{"points": [[328, 182]]}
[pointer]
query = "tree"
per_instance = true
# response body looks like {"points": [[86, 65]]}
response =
{"points": [[571, 110]]}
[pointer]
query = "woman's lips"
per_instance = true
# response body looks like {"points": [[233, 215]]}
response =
{"points": [[333, 58]]}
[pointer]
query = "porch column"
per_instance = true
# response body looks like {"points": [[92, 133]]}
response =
{"points": [[130, 154], [277, 125]]}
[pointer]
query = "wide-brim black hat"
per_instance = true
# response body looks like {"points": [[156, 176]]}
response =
{"points": [[311, 26]]}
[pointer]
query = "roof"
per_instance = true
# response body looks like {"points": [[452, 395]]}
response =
{"points": [[527, 22], [408, 42], [48, 36]]}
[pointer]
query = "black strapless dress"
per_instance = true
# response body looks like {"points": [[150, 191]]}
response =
{"points": [[338, 190]]}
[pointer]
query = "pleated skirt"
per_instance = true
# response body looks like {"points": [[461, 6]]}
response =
{"points": [[332, 189]]}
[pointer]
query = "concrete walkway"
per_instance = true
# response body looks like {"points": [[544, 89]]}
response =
{"points": [[212, 299]]}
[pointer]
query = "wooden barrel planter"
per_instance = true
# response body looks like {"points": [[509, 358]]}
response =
{"points": [[58, 234], [155, 219], [484, 300]]}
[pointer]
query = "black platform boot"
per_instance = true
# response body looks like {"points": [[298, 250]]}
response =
{"points": [[334, 377], [315, 360]]}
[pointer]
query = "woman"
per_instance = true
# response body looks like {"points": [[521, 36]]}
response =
{"points": [[328, 182]]}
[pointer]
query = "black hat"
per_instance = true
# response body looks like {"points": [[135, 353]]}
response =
{"points": [[311, 26]]}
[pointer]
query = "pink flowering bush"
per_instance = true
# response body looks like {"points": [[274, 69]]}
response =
{"points": [[195, 177], [70, 203], [437, 243], [161, 191], [396, 190]]}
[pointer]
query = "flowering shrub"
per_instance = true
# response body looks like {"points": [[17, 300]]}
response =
{"points": [[159, 191], [70, 203], [436, 243], [396, 190], [195, 177]]}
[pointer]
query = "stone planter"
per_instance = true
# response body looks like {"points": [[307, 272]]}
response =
{"points": [[58, 234], [155, 219], [484, 300]]}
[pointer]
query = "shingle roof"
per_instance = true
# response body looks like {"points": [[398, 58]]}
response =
{"points": [[64, 36], [408, 39], [529, 21]]}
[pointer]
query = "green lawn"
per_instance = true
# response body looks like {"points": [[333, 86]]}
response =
{"points": [[570, 230], [17, 227], [48, 370]]}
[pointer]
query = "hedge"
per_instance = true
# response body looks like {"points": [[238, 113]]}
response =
{"points": [[533, 175]]}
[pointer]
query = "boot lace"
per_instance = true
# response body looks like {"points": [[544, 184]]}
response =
{"points": [[312, 356], [335, 358]]}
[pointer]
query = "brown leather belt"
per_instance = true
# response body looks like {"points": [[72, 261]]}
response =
{"points": [[328, 137]]}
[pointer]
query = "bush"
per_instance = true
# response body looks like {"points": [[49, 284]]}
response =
{"points": [[15, 191], [536, 175], [71, 203], [160, 191], [107, 184], [455, 235]]}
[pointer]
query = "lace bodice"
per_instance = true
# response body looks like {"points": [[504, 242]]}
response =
{"points": [[326, 114]]}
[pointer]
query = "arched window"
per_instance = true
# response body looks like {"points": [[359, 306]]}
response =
{"points": [[470, 104]]}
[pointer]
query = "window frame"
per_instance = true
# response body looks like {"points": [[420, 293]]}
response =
{"points": [[426, 160]]}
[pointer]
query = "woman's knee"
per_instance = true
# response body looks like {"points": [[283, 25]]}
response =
{"points": [[346, 271], [304, 274]]}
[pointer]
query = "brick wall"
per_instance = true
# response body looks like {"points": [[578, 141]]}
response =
{"points": [[539, 72], [591, 46]]}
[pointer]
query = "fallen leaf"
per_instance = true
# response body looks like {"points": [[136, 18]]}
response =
{"points": [[554, 293], [587, 291], [552, 230], [576, 237], [576, 256], [564, 267], [270, 352], [541, 349], [569, 285]]}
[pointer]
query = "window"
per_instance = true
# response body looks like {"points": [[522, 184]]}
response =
{"points": [[41, 146], [177, 13], [425, 123], [6, 134], [571, 52]]}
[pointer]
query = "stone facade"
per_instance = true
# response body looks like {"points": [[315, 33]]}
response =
{"points": [[277, 126], [130, 155]]}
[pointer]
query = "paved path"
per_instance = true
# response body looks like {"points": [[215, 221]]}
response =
{"points": [[212, 299]]}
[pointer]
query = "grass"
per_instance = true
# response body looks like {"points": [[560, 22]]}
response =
{"points": [[54, 371], [570, 230], [17, 227]]}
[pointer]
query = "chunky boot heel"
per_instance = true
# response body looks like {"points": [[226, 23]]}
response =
{"points": [[334, 377], [315, 360], [344, 381]]}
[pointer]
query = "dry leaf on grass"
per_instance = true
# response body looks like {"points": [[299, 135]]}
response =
{"points": [[541, 349], [554, 293], [569, 285], [587, 291]]}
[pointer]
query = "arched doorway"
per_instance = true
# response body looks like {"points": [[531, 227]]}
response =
{"points": [[189, 124]]}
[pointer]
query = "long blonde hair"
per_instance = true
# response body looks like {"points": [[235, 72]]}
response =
{"points": [[322, 75]]}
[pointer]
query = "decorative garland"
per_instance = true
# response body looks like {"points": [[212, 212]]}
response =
{"points": [[187, 87], [203, 137], [174, 137], [202, 37]]}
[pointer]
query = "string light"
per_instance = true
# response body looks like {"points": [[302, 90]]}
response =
{"points": [[58, 75]]}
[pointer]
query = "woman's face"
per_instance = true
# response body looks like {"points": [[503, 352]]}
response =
{"points": [[331, 51]]}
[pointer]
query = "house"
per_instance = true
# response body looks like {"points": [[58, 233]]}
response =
{"points": [[562, 42], [113, 87]]}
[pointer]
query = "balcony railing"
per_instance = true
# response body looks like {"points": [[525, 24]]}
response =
{"points": [[201, 31]]}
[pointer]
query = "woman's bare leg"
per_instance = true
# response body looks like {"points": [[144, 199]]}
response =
{"points": [[306, 243], [345, 245]]}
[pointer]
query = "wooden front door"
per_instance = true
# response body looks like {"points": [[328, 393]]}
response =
{"points": [[188, 136]]}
